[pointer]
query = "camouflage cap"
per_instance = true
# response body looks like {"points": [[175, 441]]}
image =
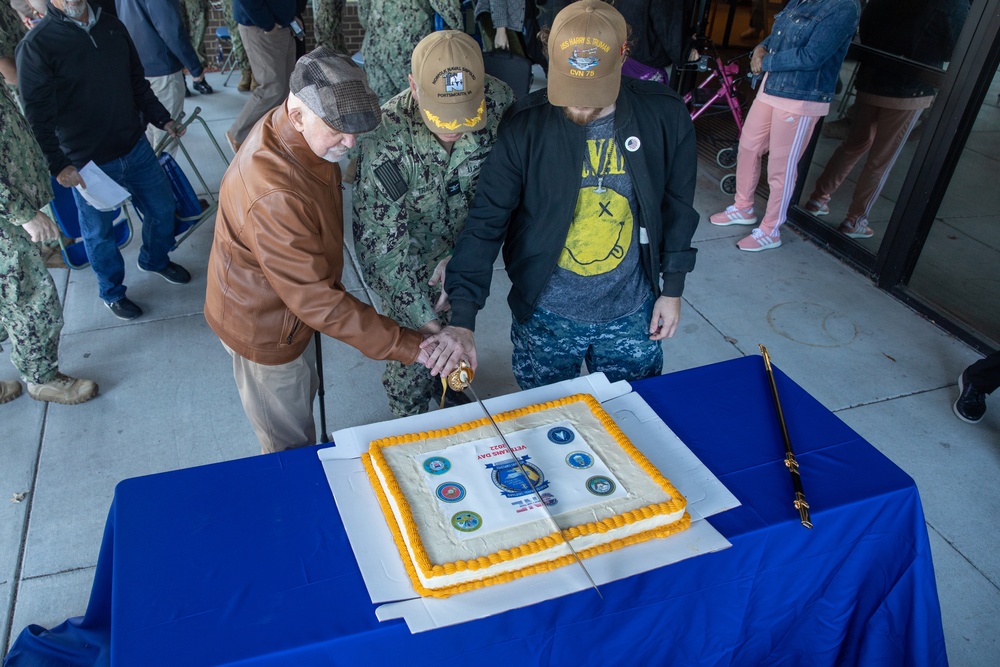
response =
{"points": [[447, 67], [586, 45], [336, 90]]}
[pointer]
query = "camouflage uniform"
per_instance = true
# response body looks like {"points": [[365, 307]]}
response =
{"points": [[392, 30], [195, 20], [548, 348], [29, 305], [410, 202], [239, 54], [326, 24], [11, 32]]}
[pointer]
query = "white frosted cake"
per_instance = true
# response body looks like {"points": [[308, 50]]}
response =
{"points": [[463, 516]]}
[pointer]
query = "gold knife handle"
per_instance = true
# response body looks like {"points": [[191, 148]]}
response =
{"points": [[460, 378]]}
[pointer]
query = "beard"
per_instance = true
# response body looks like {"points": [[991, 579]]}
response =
{"points": [[75, 8], [336, 154], [581, 117]]}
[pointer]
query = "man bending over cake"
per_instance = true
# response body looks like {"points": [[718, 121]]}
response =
{"points": [[274, 274], [416, 178], [589, 190]]}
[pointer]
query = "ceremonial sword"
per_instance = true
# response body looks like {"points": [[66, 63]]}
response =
{"points": [[790, 461], [460, 379]]}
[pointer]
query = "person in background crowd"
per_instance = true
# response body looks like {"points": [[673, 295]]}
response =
{"points": [[12, 30], [589, 191], [299, 34], [87, 100], [974, 384], [29, 305], [194, 18], [497, 18], [888, 103], [164, 50], [265, 27], [28, 12], [758, 20], [240, 60], [800, 61], [274, 274], [393, 28], [417, 174], [327, 15]]}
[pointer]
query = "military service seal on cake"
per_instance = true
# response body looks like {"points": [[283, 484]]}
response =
{"points": [[464, 516]]}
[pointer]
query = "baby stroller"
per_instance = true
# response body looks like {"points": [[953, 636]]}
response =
{"points": [[718, 92]]}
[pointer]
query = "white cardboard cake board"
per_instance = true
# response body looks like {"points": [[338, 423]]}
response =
{"points": [[382, 567]]}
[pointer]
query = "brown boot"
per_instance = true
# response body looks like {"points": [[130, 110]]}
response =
{"points": [[53, 258], [245, 80], [9, 390], [63, 389], [253, 82]]}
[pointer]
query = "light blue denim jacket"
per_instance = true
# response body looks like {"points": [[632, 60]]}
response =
{"points": [[807, 46]]}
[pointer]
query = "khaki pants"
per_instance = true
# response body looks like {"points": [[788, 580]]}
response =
{"points": [[169, 90], [278, 399], [272, 58]]}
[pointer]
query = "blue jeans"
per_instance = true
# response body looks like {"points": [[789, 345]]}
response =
{"points": [[549, 348], [140, 173]]}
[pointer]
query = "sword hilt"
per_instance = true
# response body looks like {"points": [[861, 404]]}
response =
{"points": [[460, 378]]}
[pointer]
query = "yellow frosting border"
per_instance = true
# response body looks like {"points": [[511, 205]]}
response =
{"points": [[429, 570]]}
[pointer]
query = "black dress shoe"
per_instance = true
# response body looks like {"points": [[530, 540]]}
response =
{"points": [[202, 87], [971, 404], [124, 309], [172, 273]]}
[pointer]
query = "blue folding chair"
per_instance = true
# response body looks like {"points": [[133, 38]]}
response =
{"points": [[68, 218], [189, 211], [228, 61]]}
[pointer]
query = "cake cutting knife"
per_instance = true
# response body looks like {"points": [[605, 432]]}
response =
{"points": [[460, 379]]}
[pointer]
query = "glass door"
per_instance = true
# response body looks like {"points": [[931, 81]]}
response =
{"points": [[958, 269], [862, 153]]}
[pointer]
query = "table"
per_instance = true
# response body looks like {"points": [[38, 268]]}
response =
{"points": [[246, 563]]}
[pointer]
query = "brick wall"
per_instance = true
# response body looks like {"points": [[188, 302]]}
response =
{"points": [[353, 34]]}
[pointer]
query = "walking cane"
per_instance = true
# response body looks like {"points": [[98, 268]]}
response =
{"points": [[322, 391]]}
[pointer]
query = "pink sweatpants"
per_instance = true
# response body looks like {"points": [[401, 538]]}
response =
{"points": [[881, 133], [782, 135]]}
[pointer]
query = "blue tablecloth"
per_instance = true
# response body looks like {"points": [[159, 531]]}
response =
{"points": [[247, 563]]}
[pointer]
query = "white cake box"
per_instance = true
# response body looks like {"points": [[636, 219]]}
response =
{"points": [[380, 562]]}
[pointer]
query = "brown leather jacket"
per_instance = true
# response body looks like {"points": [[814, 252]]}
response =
{"points": [[275, 269]]}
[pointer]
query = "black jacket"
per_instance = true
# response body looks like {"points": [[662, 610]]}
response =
{"points": [[84, 92], [528, 187]]}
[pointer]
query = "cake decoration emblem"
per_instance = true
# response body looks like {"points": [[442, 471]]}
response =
{"points": [[600, 485], [450, 492], [579, 460], [508, 478], [437, 465], [466, 522], [561, 435]]}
